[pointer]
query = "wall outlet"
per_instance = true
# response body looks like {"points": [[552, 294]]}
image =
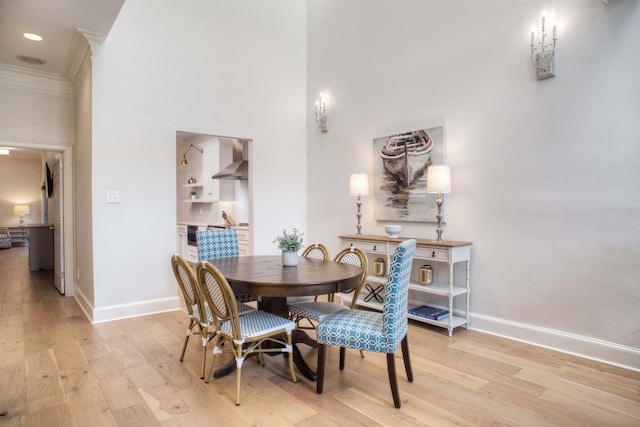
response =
{"points": [[113, 197]]}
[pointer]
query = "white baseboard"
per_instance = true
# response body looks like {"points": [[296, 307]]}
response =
{"points": [[589, 348], [142, 308], [123, 311], [84, 303]]}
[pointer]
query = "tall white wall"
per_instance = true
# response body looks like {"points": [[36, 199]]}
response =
{"points": [[219, 68], [544, 173]]}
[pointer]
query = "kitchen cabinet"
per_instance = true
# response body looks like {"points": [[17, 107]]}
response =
{"points": [[244, 241], [182, 240], [449, 282], [40, 247]]}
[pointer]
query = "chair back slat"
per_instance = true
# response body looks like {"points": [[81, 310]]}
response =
{"points": [[316, 251], [218, 295], [188, 284], [397, 293], [217, 243], [356, 257]]}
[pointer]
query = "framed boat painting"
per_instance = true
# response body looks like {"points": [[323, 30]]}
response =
{"points": [[400, 175]]}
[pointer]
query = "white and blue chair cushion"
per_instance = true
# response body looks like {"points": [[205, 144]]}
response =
{"points": [[220, 243], [374, 331]]}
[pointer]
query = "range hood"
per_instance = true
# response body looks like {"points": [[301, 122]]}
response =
{"points": [[239, 168]]}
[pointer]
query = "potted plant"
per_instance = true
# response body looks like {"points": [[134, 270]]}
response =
{"points": [[193, 195], [289, 244]]}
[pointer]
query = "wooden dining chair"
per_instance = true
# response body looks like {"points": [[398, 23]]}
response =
{"points": [[199, 314], [315, 311], [374, 331], [244, 334], [313, 251], [316, 251]]}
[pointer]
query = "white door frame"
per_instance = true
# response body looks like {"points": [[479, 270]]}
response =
{"points": [[67, 205]]}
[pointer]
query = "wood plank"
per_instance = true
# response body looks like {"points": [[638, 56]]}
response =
{"points": [[43, 384]]}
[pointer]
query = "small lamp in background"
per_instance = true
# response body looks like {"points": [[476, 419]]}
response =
{"points": [[439, 181], [21, 210], [359, 186], [184, 156]]}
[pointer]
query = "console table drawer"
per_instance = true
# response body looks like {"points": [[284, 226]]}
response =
{"points": [[432, 253]]}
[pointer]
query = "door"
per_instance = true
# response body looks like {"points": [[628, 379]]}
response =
{"points": [[57, 219]]}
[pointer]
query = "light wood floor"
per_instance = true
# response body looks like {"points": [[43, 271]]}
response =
{"points": [[56, 369]]}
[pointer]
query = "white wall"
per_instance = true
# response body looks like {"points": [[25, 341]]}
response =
{"points": [[545, 173], [220, 68], [20, 182]]}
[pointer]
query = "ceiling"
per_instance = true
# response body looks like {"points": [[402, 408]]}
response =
{"points": [[54, 20]]}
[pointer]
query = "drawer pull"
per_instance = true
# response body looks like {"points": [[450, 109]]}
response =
{"points": [[433, 254]]}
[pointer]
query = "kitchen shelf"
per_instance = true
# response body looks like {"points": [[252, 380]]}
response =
{"points": [[199, 201]]}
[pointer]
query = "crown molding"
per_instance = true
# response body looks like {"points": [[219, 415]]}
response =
{"points": [[79, 56], [39, 81]]}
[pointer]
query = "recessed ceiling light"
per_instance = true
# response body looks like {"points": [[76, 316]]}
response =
{"points": [[31, 60], [32, 36], [4, 151]]}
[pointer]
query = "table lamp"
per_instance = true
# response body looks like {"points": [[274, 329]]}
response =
{"points": [[359, 186], [439, 181], [21, 210]]}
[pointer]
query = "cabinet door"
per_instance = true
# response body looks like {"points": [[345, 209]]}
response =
{"points": [[210, 166]]}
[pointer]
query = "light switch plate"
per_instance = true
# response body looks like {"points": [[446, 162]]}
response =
{"points": [[113, 197]]}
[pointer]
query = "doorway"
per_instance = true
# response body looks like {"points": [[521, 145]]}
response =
{"points": [[59, 207]]}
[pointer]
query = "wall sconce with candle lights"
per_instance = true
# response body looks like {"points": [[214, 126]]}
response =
{"points": [[544, 57], [321, 111]]}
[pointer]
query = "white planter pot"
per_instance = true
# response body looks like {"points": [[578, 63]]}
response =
{"points": [[289, 259]]}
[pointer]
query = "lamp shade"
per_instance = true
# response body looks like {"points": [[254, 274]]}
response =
{"points": [[359, 184], [438, 179], [21, 210]]}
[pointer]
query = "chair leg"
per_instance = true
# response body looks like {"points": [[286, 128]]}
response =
{"points": [[407, 359], [320, 367], [291, 368], [391, 366], [342, 355], [239, 361], [186, 338], [204, 332]]}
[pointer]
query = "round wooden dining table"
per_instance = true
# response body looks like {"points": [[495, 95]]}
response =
{"points": [[265, 276]]}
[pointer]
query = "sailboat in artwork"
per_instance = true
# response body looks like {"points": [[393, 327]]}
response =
{"points": [[405, 156]]}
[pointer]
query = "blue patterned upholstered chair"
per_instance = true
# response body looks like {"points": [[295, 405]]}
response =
{"points": [[374, 331], [199, 313], [315, 311], [243, 335], [220, 243]]}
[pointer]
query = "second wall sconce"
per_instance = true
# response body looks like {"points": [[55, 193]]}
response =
{"points": [[321, 111], [544, 58], [184, 156]]}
